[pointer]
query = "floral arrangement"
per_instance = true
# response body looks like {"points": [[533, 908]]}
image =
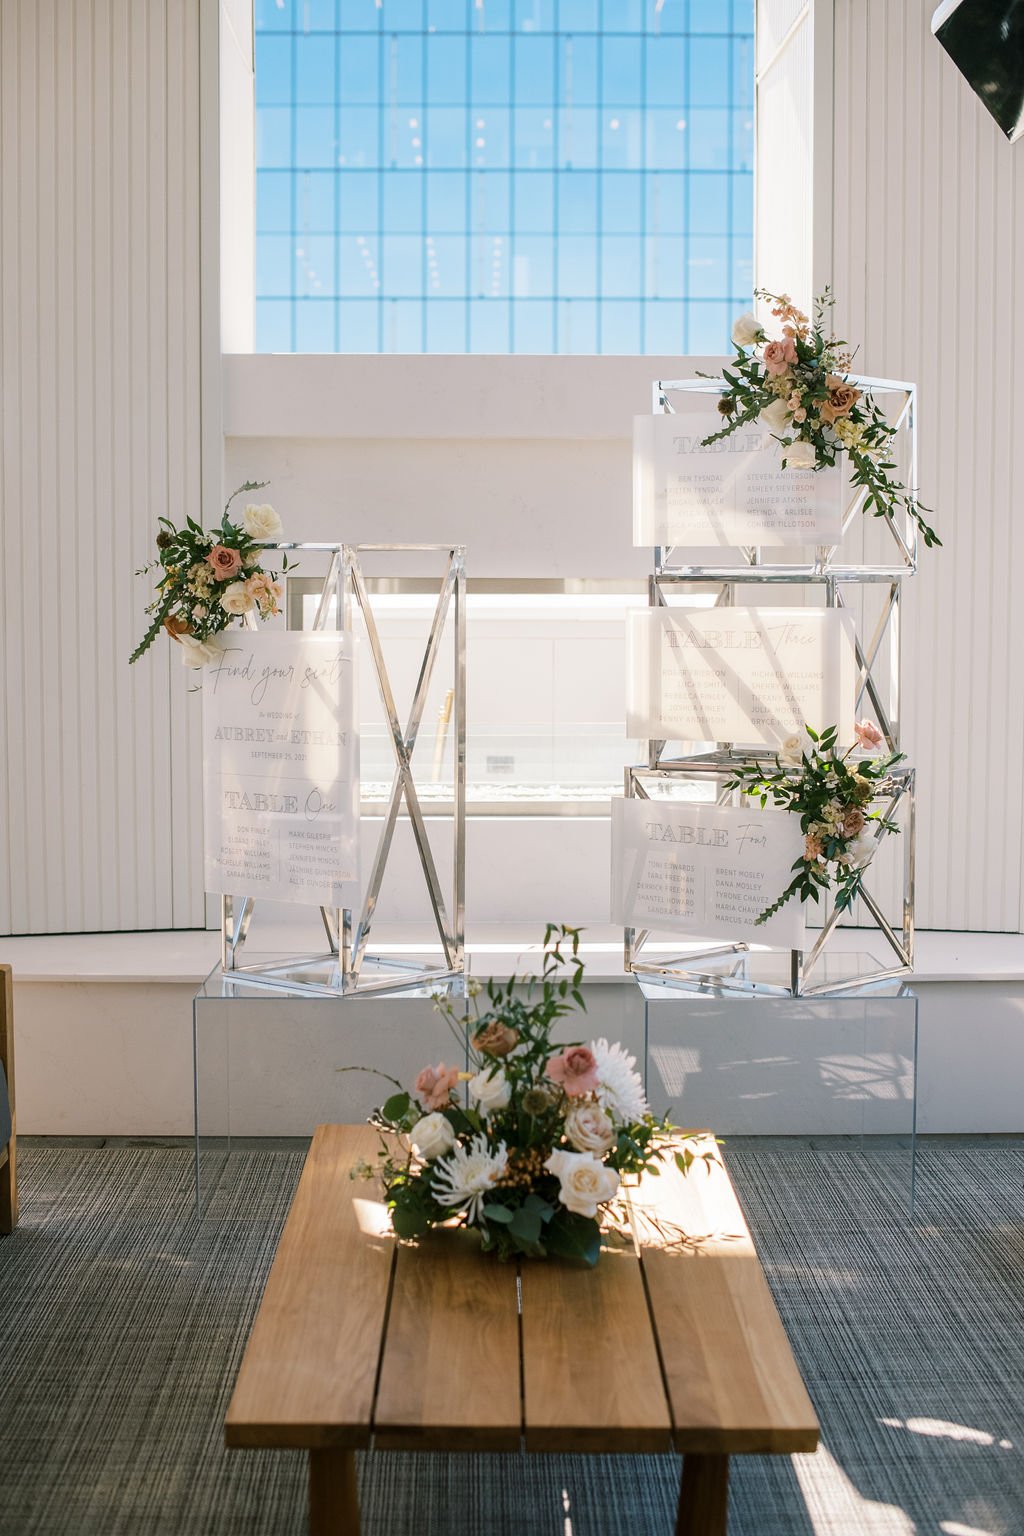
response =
{"points": [[536, 1157], [797, 385], [830, 792], [209, 579]]}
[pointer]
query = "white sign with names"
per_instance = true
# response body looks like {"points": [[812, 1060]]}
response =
{"points": [[741, 675], [733, 492], [281, 767], [705, 870]]}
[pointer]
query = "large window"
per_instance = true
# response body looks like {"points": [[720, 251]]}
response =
{"points": [[503, 175]]}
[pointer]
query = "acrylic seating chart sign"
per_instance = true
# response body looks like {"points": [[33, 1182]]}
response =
{"points": [[281, 767], [705, 870], [730, 493], [745, 675]]}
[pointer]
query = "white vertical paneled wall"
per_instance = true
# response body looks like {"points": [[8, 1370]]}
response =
{"points": [[793, 142], [908, 199], [99, 435], [928, 243]]}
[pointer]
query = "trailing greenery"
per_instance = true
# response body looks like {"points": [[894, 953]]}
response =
{"points": [[798, 385], [831, 792]]}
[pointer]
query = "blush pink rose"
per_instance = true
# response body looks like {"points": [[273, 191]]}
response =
{"points": [[779, 356], [435, 1084], [868, 734], [575, 1069], [224, 562]]}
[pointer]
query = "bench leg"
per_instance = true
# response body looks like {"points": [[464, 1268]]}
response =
{"points": [[704, 1496], [9, 1191], [333, 1497]]}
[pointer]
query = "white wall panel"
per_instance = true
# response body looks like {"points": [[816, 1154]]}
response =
{"points": [[793, 146], [784, 148], [99, 435], [928, 235]]}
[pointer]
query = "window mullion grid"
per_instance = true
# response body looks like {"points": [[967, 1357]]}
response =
{"points": [[336, 177], [293, 126]]}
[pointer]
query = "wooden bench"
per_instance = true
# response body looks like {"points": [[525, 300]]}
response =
{"points": [[362, 1340], [8, 1137]]}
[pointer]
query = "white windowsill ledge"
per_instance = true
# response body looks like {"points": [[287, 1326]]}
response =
{"points": [[186, 958]]}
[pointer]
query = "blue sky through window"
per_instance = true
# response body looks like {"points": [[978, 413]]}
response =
{"points": [[503, 175]]}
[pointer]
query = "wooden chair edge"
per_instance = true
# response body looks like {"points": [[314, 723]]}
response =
{"points": [[9, 1166]]}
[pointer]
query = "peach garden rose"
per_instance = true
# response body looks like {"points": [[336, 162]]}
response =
{"points": [[867, 734], [435, 1085], [575, 1070], [224, 562], [779, 356]]}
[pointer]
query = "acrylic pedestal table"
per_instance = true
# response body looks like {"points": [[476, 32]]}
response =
{"points": [[762, 1065], [268, 1063]]}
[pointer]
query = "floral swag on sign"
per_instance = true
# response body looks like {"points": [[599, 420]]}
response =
{"points": [[831, 792], [797, 385], [210, 579], [536, 1158]]}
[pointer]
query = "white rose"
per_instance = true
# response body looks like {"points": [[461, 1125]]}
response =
{"points": [[747, 330], [490, 1090], [589, 1128], [861, 851], [261, 522], [791, 753], [197, 653], [585, 1182], [777, 416], [432, 1137], [235, 599], [800, 455]]}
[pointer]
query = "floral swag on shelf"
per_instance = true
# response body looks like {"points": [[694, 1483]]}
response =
{"points": [[210, 579], [537, 1157], [797, 385], [831, 792]]}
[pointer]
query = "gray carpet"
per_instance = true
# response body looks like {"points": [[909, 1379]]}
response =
{"points": [[122, 1323]]}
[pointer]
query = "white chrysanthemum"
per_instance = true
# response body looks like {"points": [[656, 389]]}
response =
{"points": [[468, 1176], [620, 1089]]}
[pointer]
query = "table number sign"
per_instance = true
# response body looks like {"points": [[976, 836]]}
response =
{"points": [[742, 675], [704, 870], [281, 768], [733, 492]]}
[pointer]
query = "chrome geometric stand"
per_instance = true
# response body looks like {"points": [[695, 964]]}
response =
{"points": [[342, 970], [741, 967], [900, 399], [872, 590]]}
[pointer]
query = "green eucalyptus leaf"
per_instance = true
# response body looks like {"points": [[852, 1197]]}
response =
{"points": [[525, 1224], [409, 1221], [396, 1107], [574, 1237]]}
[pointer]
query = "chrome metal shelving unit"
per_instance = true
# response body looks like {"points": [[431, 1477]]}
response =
{"points": [[834, 582], [349, 966]]}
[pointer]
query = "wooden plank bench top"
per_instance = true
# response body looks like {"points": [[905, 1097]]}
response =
{"points": [[673, 1343]]}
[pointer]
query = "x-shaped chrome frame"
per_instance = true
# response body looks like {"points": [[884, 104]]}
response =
{"points": [[897, 793], [348, 941], [883, 698], [824, 563]]}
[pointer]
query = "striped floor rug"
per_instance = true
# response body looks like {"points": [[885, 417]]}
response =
{"points": [[122, 1322]]}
